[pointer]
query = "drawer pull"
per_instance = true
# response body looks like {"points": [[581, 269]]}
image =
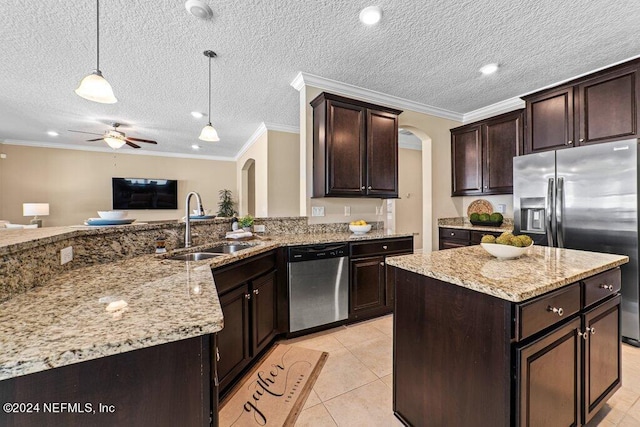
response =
{"points": [[585, 334], [381, 262], [558, 311], [592, 330], [607, 287], [384, 246], [256, 291], [453, 234]]}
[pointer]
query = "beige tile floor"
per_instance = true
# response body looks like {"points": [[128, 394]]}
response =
{"points": [[354, 387]]}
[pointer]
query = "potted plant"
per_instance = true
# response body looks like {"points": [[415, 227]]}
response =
{"points": [[246, 222], [226, 206]]}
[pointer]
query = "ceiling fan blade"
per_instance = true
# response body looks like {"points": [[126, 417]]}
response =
{"points": [[97, 139], [140, 140], [79, 131], [131, 144]]}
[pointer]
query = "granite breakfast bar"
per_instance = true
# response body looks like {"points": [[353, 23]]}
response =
{"points": [[532, 341]]}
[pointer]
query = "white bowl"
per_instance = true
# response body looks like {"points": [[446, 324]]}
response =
{"points": [[112, 214], [360, 229], [504, 251]]}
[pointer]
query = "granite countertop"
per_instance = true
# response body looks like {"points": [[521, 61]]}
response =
{"points": [[542, 270], [464, 224], [66, 321]]}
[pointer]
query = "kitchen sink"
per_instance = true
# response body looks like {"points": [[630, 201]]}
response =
{"points": [[226, 249], [194, 256]]}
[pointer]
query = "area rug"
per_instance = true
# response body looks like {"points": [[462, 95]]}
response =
{"points": [[275, 391]]}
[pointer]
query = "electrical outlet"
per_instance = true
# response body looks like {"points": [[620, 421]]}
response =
{"points": [[317, 211], [259, 228], [66, 255], [502, 208], [347, 210]]}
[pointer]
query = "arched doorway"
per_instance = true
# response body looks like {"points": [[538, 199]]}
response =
{"points": [[248, 194]]}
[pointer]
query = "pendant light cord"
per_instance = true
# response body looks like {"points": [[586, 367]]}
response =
{"points": [[98, 35], [209, 91]]}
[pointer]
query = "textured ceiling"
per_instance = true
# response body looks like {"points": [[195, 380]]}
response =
{"points": [[151, 53]]}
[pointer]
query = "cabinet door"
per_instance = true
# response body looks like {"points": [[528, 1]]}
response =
{"points": [[264, 311], [608, 107], [451, 244], [502, 139], [345, 149], [382, 154], [367, 285], [601, 355], [549, 121], [466, 161], [548, 379], [233, 339]]}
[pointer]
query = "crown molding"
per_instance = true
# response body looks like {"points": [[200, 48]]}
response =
{"points": [[262, 128], [493, 110], [305, 79], [281, 128], [39, 144]]}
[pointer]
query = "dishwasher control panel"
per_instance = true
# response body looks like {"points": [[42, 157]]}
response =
{"points": [[311, 252]]}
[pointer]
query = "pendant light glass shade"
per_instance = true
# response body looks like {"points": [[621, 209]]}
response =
{"points": [[95, 88], [114, 143], [209, 134]]}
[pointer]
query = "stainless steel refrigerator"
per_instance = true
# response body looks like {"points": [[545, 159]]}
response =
{"points": [[585, 198]]}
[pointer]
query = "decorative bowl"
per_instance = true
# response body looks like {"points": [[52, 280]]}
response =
{"points": [[360, 229], [504, 251], [112, 214]]}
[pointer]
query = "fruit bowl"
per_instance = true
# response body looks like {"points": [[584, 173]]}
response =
{"points": [[505, 251], [112, 214], [360, 229]]}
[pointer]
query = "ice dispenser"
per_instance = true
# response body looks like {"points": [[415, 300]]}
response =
{"points": [[532, 210]]}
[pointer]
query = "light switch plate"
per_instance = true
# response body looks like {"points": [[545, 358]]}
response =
{"points": [[66, 255], [502, 208], [317, 211]]}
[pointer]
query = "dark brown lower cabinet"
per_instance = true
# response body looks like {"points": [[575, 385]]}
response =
{"points": [[456, 237], [169, 385], [461, 355], [264, 311], [233, 340]]}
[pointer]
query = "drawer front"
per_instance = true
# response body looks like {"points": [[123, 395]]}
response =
{"points": [[547, 310], [230, 276], [600, 286], [476, 236], [382, 247], [455, 234]]}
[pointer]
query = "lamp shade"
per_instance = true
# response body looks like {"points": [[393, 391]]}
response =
{"points": [[96, 88], [114, 143], [35, 209], [209, 134]]}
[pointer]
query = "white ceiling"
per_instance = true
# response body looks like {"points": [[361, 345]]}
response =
{"points": [[427, 52]]}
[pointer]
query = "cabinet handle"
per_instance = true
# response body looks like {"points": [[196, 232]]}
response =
{"points": [[569, 142], [384, 246], [584, 335], [486, 187], [607, 287], [453, 234], [247, 296], [381, 262], [256, 291], [558, 311], [592, 330], [217, 355], [581, 140], [369, 187], [362, 188]]}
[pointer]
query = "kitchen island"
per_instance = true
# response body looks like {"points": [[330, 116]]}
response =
{"points": [[486, 342]]}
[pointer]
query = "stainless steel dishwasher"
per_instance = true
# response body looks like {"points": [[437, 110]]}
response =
{"points": [[318, 285]]}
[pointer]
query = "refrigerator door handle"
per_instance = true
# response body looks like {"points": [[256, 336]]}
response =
{"points": [[549, 211], [559, 210]]}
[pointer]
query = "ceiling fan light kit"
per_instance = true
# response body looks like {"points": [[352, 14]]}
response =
{"points": [[95, 87], [114, 142], [208, 133]]}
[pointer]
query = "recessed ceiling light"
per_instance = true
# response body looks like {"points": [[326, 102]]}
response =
{"points": [[489, 69], [370, 15], [197, 114], [52, 133], [199, 9], [195, 146]]}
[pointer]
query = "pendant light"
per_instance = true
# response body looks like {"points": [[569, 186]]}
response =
{"points": [[94, 87], [208, 132]]}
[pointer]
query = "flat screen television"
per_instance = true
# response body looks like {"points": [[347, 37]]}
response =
{"points": [[143, 193]]}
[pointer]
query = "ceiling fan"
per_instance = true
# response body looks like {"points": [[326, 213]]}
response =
{"points": [[116, 139]]}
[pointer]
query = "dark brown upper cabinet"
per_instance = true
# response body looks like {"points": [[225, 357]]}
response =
{"points": [[601, 107], [482, 155], [355, 148]]}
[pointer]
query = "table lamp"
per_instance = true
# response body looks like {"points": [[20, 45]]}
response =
{"points": [[35, 209]]}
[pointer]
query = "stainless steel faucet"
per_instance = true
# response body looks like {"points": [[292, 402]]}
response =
{"points": [[187, 220]]}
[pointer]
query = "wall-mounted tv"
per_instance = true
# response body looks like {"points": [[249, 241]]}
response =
{"points": [[143, 193]]}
